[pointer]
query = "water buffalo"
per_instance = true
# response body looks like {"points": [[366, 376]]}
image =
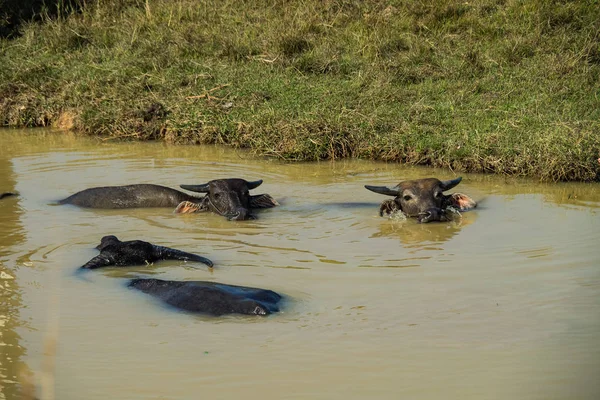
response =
{"points": [[423, 199], [227, 197], [210, 297], [136, 252]]}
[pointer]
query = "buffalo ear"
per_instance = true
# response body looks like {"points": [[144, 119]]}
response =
{"points": [[254, 184], [460, 201], [196, 188], [187, 207], [447, 185], [262, 201], [384, 190]]}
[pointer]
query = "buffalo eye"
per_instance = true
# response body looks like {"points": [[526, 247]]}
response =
{"points": [[407, 197], [217, 195]]}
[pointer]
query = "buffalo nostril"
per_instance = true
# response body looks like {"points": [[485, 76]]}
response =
{"points": [[425, 216], [432, 214], [241, 215]]}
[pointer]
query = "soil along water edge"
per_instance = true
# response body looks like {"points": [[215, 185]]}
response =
{"points": [[509, 87]]}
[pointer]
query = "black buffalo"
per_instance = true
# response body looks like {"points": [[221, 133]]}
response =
{"points": [[228, 197], [210, 297], [136, 252]]}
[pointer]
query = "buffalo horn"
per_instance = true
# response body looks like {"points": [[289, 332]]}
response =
{"points": [[383, 190], [447, 185], [255, 184], [196, 188]]}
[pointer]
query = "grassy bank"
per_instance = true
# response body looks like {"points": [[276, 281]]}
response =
{"points": [[501, 86]]}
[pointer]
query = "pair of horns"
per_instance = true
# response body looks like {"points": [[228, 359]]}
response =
{"points": [[395, 191], [204, 188]]}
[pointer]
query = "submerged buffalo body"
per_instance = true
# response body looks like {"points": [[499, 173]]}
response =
{"points": [[136, 252], [129, 196], [227, 197], [210, 297], [423, 199]]}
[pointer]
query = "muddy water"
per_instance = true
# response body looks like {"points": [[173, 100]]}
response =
{"points": [[504, 303]]}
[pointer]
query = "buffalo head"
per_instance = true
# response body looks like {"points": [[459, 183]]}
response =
{"points": [[228, 197], [423, 199]]}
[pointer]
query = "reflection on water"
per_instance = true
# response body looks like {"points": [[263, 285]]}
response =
{"points": [[503, 302], [411, 234]]}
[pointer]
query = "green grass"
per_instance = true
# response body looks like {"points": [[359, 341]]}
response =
{"points": [[502, 86]]}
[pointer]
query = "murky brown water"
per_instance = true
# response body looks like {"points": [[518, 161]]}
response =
{"points": [[504, 304]]}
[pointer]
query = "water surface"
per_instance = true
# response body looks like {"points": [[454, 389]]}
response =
{"points": [[503, 303]]}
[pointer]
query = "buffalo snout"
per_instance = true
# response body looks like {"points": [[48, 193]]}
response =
{"points": [[433, 214], [240, 214]]}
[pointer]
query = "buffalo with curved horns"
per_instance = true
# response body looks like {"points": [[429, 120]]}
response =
{"points": [[423, 199], [228, 197]]}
